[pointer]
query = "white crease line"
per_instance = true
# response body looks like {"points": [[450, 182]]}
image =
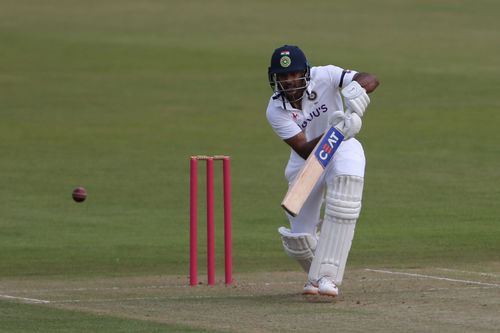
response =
{"points": [[156, 298], [479, 287], [393, 279], [27, 300], [434, 277], [270, 283], [468, 272], [185, 286], [95, 289], [97, 300]]}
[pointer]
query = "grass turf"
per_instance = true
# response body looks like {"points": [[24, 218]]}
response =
{"points": [[32, 318], [116, 95]]}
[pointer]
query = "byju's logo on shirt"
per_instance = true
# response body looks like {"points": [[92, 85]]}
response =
{"points": [[315, 114]]}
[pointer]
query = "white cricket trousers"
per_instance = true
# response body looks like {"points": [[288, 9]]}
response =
{"points": [[349, 159]]}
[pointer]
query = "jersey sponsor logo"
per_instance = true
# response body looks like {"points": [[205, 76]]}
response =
{"points": [[295, 116], [328, 145], [315, 114]]}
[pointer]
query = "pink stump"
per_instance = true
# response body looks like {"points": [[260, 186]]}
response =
{"points": [[210, 223], [193, 223], [228, 250]]}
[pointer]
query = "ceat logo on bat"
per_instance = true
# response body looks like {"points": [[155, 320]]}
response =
{"points": [[328, 145]]}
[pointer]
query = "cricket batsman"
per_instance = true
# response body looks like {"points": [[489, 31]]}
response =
{"points": [[305, 103]]}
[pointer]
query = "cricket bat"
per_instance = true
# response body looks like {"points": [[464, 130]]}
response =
{"points": [[311, 171]]}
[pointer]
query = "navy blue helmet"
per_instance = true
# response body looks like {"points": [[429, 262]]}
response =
{"points": [[287, 59]]}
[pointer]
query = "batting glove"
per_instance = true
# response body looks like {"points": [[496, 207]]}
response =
{"points": [[355, 98], [348, 123]]}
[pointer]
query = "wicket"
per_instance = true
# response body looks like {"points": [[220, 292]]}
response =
{"points": [[193, 225]]}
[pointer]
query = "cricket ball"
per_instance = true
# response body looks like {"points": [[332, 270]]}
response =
{"points": [[79, 194]]}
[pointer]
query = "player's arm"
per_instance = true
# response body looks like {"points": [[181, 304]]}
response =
{"points": [[368, 81], [348, 123], [300, 144]]}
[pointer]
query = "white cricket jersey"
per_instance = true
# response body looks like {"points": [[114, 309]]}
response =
{"points": [[322, 97]]}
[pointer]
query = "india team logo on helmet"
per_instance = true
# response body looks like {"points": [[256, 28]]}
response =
{"points": [[285, 61]]}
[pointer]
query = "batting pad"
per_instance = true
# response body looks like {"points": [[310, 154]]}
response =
{"points": [[343, 205], [299, 246]]}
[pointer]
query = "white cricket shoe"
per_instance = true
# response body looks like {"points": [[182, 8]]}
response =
{"points": [[310, 289], [327, 287]]}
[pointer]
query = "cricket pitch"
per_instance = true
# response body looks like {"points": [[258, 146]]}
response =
{"points": [[372, 299]]}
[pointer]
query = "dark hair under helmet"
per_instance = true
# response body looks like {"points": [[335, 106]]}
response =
{"points": [[287, 59]]}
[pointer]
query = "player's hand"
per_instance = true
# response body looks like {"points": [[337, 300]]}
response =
{"points": [[335, 118], [352, 125], [355, 98], [348, 123]]}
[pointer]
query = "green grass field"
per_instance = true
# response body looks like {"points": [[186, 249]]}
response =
{"points": [[116, 95]]}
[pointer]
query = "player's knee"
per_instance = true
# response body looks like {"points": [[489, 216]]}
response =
{"points": [[350, 160], [343, 198]]}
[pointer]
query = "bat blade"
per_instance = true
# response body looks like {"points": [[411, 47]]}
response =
{"points": [[311, 171]]}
